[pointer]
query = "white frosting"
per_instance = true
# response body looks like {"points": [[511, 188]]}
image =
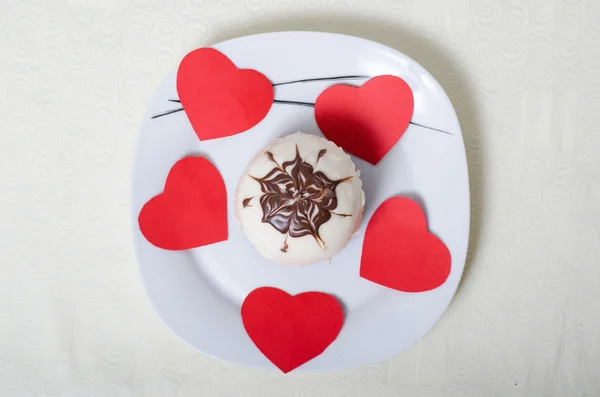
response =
{"points": [[335, 233]]}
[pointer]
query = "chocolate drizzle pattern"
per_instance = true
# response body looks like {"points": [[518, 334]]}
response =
{"points": [[296, 201], [321, 154], [246, 202]]}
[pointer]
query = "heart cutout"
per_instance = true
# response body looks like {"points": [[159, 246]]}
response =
{"points": [[291, 330], [399, 252], [219, 99], [366, 121], [192, 210]]}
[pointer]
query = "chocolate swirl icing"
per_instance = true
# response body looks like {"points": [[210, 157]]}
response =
{"points": [[296, 200]]}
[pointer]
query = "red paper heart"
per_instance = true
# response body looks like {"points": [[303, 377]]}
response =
{"points": [[191, 212], [399, 252], [219, 99], [291, 330], [366, 121]]}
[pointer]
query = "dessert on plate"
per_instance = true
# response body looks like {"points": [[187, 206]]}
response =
{"points": [[300, 200]]}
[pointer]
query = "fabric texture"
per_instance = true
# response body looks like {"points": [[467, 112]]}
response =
{"points": [[75, 77]]}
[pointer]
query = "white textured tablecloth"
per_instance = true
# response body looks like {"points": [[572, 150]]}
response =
{"points": [[524, 77]]}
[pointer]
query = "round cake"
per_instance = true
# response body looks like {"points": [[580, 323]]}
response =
{"points": [[300, 200]]}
